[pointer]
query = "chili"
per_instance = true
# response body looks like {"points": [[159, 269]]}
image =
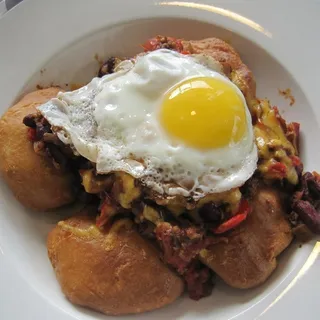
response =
{"points": [[233, 222]]}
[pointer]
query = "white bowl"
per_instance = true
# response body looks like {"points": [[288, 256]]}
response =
{"points": [[58, 46]]}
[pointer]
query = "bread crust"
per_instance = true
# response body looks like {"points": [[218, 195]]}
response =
{"points": [[115, 272], [249, 256], [33, 179], [232, 64]]}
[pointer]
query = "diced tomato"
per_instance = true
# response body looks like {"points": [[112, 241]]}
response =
{"points": [[179, 46], [32, 134], [233, 222], [279, 169], [151, 44], [155, 43]]}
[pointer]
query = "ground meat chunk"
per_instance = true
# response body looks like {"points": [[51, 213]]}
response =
{"points": [[108, 66], [199, 279], [181, 247], [162, 42]]}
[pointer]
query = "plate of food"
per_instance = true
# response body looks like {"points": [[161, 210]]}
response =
{"points": [[159, 160]]}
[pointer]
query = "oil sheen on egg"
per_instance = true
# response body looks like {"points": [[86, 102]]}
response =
{"points": [[173, 121]]}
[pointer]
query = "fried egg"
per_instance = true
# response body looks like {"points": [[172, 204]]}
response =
{"points": [[174, 122]]}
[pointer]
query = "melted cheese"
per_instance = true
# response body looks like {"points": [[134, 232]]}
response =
{"points": [[273, 145]]}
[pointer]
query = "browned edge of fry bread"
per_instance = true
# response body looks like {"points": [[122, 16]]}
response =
{"points": [[115, 272], [232, 64], [33, 179], [249, 256]]}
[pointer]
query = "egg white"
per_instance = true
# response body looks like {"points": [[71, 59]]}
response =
{"points": [[113, 122]]}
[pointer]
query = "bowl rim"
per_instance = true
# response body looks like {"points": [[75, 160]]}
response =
{"points": [[278, 37]]}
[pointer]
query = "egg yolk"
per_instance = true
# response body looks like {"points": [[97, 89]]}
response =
{"points": [[204, 113]]}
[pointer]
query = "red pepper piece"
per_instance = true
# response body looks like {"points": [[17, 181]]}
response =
{"points": [[295, 161], [233, 222], [32, 134], [279, 169], [244, 207]]}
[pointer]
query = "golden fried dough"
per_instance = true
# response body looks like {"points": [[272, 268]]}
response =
{"points": [[115, 272], [249, 256], [32, 178], [234, 68]]}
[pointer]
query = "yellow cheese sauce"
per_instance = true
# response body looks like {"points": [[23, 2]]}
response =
{"points": [[88, 232], [273, 145]]}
